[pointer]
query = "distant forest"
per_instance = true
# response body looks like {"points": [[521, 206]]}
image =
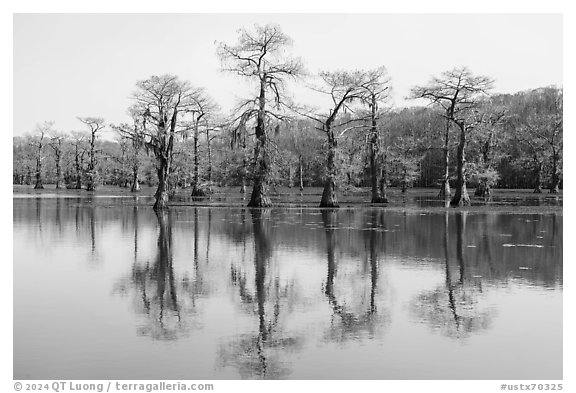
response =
{"points": [[465, 137]]}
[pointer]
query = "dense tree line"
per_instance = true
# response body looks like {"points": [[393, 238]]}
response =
{"points": [[465, 136]]}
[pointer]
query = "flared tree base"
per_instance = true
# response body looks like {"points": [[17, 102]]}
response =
{"points": [[461, 198], [379, 199], [329, 198]]}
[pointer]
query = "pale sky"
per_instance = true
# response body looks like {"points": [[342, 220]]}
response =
{"points": [[69, 65]]}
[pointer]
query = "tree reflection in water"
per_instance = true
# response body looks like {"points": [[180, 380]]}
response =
{"points": [[348, 322], [258, 355], [454, 308], [165, 301]]}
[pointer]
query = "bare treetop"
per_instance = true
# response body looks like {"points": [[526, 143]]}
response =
{"points": [[94, 123], [260, 53], [456, 90], [161, 98], [377, 83]]}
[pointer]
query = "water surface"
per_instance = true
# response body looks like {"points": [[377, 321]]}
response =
{"points": [[106, 289]]}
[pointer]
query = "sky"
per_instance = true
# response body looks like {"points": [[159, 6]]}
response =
{"points": [[70, 65]]}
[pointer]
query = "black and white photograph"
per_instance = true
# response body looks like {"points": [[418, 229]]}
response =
{"points": [[287, 196]]}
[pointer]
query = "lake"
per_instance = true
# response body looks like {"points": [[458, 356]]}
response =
{"points": [[104, 288]]}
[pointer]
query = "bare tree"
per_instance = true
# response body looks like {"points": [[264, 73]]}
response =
{"points": [[211, 134], [135, 134], [377, 90], [545, 127], [258, 55], [202, 115], [492, 118], [95, 125], [78, 142], [56, 143], [42, 131], [458, 92], [163, 104], [343, 88]]}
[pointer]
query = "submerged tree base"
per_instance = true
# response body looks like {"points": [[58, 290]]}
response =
{"points": [[329, 198], [379, 199], [161, 201], [483, 190], [199, 192], [461, 198], [259, 197], [445, 191]]}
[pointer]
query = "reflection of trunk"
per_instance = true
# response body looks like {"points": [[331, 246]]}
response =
{"points": [[39, 214], [92, 231], [163, 270], [460, 227], [135, 223], [445, 188], [329, 198], [162, 191], [373, 265], [262, 254], [329, 220], [449, 286], [58, 215], [196, 238], [461, 197], [208, 235]]}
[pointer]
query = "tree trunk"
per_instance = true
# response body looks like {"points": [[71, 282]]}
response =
{"points": [[90, 175], [300, 172], [209, 150], [374, 148], [197, 191], [290, 177], [329, 198], [58, 171], [404, 181], [461, 197], [259, 197], [483, 190], [383, 180], [38, 185], [445, 187], [555, 181], [377, 196], [538, 177], [161, 194], [135, 180]]}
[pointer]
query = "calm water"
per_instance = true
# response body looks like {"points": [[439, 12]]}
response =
{"points": [[106, 289]]}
